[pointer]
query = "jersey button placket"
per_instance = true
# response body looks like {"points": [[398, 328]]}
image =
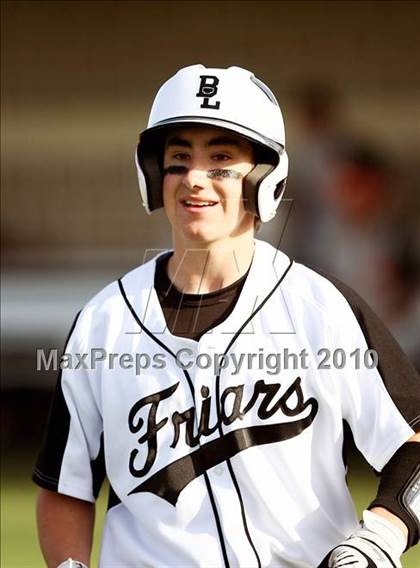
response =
{"points": [[220, 479]]}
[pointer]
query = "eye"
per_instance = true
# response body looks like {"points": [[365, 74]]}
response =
{"points": [[221, 157], [180, 156]]}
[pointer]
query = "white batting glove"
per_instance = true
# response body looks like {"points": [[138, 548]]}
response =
{"points": [[376, 544], [70, 563]]}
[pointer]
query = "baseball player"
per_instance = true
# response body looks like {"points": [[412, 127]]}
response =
{"points": [[210, 385]]}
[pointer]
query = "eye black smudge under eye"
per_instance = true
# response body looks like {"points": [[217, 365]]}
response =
{"points": [[216, 173], [223, 174], [175, 170]]}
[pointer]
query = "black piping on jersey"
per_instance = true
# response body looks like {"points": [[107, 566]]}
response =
{"points": [[60, 417], [228, 461], [97, 467], [349, 447], [390, 356], [113, 499], [206, 478]]}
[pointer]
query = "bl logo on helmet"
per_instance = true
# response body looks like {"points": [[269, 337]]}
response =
{"points": [[207, 90]]}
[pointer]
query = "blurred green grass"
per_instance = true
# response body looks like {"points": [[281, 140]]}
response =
{"points": [[19, 546]]}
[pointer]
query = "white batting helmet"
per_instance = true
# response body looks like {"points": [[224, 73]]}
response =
{"points": [[232, 99]]}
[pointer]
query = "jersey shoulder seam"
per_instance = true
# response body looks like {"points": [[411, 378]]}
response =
{"points": [[324, 307]]}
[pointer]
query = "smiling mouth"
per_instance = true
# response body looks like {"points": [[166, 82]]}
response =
{"points": [[202, 204]]}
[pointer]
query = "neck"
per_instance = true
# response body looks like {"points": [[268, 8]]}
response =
{"points": [[199, 268]]}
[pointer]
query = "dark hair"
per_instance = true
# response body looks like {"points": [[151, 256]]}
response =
{"points": [[263, 155]]}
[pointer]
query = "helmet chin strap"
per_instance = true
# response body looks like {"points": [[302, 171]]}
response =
{"points": [[251, 183]]}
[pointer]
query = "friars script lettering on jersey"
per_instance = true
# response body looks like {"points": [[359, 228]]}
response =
{"points": [[168, 482]]}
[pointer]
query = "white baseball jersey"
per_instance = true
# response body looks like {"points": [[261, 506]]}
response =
{"points": [[225, 462]]}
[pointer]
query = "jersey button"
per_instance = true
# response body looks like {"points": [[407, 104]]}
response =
{"points": [[218, 470]]}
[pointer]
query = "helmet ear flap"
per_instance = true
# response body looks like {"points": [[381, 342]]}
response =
{"points": [[148, 160], [280, 187], [251, 184]]}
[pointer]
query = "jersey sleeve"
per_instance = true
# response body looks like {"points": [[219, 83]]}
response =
{"points": [[71, 460], [381, 403]]}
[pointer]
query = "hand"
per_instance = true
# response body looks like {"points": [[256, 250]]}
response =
{"points": [[358, 553], [70, 563], [376, 544], [344, 555]]}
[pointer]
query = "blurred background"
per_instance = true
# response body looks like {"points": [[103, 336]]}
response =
{"points": [[78, 79]]}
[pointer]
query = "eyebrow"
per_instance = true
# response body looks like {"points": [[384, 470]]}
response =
{"points": [[218, 141]]}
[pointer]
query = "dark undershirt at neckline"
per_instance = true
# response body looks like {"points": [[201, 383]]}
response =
{"points": [[192, 315]]}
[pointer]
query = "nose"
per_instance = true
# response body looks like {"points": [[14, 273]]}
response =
{"points": [[195, 177]]}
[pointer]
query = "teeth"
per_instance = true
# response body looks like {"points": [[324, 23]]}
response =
{"points": [[199, 204]]}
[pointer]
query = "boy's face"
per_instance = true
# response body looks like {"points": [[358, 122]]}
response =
{"points": [[204, 169]]}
